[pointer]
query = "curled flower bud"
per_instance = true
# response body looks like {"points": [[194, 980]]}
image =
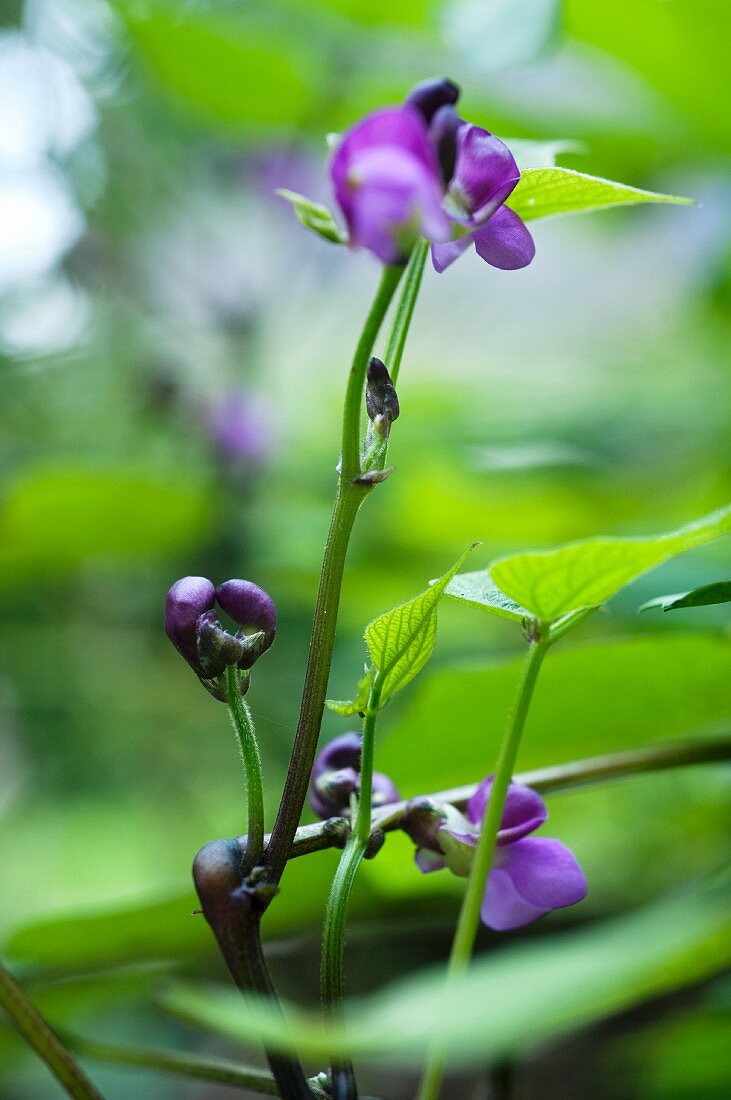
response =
{"points": [[193, 626], [187, 600], [336, 776], [381, 399], [428, 96]]}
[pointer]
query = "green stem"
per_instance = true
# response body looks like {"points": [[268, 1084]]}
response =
{"points": [[405, 308], [44, 1041], [469, 917], [350, 496], [243, 725], [336, 914]]}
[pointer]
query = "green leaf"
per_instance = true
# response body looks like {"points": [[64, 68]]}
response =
{"points": [[574, 979], [545, 192], [704, 596], [402, 640], [353, 706], [478, 590], [314, 216], [235, 72], [551, 583]]}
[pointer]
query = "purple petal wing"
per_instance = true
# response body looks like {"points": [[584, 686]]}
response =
{"points": [[485, 173], [342, 752], [186, 601], [444, 254], [504, 241], [524, 810], [249, 606], [427, 860], [532, 877]]}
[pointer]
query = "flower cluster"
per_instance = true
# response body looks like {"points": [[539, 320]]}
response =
{"points": [[336, 776], [420, 170], [193, 626], [530, 876]]}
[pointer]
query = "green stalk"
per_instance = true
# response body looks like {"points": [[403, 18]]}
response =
{"points": [[469, 917], [336, 914], [350, 496], [405, 309], [38, 1034], [243, 725]]}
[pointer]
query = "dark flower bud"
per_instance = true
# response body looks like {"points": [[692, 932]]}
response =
{"points": [[342, 752], [217, 649], [443, 132], [330, 792], [422, 820], [384, 790], [428, 96], [381, 399], [253, 609], [187, 600]]}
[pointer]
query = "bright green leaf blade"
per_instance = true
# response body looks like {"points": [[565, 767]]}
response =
{"points": [[704, 596], [551, 583], [545, 192], [402, 640], [574, 980], [349, 707], [314, 216], [478, 590]]}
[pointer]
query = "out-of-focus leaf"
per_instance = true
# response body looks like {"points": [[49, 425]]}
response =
{"points": [[681, 1058], [590, 699], [507, 1002], [518, 31], [545, 192], [551, 583], [233, 72], [53, 519], [541, 154], [314, 216], [406, 13], [402, 640], [477, 590], [704, 596]]}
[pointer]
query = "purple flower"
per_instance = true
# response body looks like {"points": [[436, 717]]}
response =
{"points": [[420, 170], [530, 876], [336, 775], [239, 427], [193, 626]]}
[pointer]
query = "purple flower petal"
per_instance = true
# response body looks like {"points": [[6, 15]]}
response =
{"points": [[524, 810], [532, 877], [427, 861], [387, 183], [485, 174], [384, 790], [249, 606], [504, 241], [444, 254], [186, 601], [428, 96], [342, 752]]}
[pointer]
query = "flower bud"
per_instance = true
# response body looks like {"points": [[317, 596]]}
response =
{"points": [[336, 776], [383, 791], [342, 752], [253, 609], [422, 821], [217, 649], [382, 403], [187, 600], [443, 132], [330, 793], [428, 96]]}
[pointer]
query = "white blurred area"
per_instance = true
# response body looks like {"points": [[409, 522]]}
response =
{"points": [[45, 117]]}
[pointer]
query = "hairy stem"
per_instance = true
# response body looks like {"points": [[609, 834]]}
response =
{"points": [[350, 496], [469, 917], [243, 725], [39, 1035], [336, 914]]}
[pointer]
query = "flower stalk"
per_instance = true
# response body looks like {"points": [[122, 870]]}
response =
{"points": [[243, 725]]}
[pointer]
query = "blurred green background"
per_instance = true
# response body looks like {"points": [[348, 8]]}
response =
{"points": [[150, 280]]}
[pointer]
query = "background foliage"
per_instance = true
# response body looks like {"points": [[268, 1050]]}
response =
{"points": [[146, 274]]}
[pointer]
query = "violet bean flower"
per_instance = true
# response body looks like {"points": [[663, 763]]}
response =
{"points": [[193, 626], [336, 775], [420, 170], [530, 876]]}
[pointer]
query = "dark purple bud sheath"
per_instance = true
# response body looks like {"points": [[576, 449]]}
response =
{"points": [[381, 398], [187, 600], [428, 96], [443, 132]]}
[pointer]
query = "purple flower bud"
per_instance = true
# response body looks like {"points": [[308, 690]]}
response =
{"points": [[336, 775], [253, 609], [381, 399], [383, 791], [428, 96], [342, 752], [330, 793], [187, 600], [217, 649]]}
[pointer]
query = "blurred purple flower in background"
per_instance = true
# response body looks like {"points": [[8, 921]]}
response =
{"points": [[420, 170], [336, 775], [239, 426], [530, 876]]}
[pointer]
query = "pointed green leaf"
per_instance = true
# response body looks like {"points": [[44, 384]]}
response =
{"points": [[478, 590], [314, 216], [402, 640], [484, 1014], [551, 583], [704, 596], [353, 706], [544, 192]]}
